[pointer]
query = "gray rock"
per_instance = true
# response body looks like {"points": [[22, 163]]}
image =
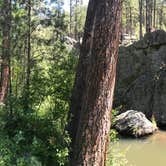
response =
{"points": [[141, 77], [134, 123], [159, 100]]}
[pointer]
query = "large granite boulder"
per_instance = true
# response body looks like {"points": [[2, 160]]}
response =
{"points": [[141, 77], [134, 123]]}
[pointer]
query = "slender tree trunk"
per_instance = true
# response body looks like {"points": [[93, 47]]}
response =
{"points": [[10, 89], [151, 14], [71, 17], [157, 19], [127, 22], [5, 49], [144, 15], [131, 21], [121, 32], [154, 14], [76, 20], [148, 16], [161, 15], [28, 68], [140, 18], [78, 4], [70, 29], [92, 97]]}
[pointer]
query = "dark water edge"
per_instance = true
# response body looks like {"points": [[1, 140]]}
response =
{"points": [[146, 151]]}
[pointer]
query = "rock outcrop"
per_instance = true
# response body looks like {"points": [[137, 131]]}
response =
{"points": [[134, 123], [141, 77]]}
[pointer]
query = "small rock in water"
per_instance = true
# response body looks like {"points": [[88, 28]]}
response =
{"points": [[134, 123]]}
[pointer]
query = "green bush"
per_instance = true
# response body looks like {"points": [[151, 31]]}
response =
{"points": [[116, 156], [37, 137]]}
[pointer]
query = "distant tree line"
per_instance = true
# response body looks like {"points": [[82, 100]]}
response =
{"points": [[139, 17]]}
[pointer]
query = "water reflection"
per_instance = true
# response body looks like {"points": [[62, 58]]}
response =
{"points": [[149, 151]]}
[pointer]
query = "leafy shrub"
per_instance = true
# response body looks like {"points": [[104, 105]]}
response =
{"points": [[37, 137], [116, 157]]}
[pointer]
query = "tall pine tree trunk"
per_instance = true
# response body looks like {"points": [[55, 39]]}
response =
{"points": [[154, 14], [131, 21], [28, 59], [92, 97], [127, 20], [161, 15], [148, 16], [71, 17], [140, 18], [76, 20], [5, 49]]}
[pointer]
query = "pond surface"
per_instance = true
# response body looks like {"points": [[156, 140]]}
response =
{"points": [[149, 151]]}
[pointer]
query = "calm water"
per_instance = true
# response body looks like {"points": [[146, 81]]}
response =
{"points": [[150, 151]]}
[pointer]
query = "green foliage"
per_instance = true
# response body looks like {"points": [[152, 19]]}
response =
{"points": [[116, 156], [113, 132], [37, 136]]}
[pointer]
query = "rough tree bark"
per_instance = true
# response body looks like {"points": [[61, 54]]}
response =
{"points": [[92, 97], [5, 49]]}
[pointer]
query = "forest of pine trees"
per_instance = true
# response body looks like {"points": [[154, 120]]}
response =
{"points": [[45, 51]]}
